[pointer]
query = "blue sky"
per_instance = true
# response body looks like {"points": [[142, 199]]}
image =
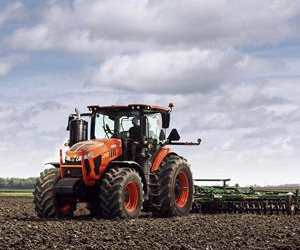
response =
{"points": [[231, 67]]}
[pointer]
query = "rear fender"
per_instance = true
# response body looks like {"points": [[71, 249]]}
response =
{"points": [[130, 164]]}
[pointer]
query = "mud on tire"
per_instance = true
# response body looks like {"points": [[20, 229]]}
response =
{"points": [[121, 194], [176, 187], [46, 204]]}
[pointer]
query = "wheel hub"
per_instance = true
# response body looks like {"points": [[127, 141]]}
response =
{"points": [[131, 197], [181, 189]]}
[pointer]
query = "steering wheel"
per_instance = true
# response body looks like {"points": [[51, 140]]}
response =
{"points": [[107, 130]]}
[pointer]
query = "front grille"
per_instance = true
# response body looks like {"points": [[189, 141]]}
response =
{"points": [[73, 172], [72, 162], [87, 167], [97, 163]]}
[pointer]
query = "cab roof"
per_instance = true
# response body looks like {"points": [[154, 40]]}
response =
{"points": [[128, 108]]}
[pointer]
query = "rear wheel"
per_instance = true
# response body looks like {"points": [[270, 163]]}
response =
{"points": [[47, 205], [121, 194], [176, 187]]}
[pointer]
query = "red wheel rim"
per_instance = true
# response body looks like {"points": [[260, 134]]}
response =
{"points": [[181, 189], [65, 207], [131, 196]]}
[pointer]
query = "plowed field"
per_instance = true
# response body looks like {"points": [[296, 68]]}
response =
{"points": [[21, 229]]}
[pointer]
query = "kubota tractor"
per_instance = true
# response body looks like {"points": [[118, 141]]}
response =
{"points": [[118, 165]]}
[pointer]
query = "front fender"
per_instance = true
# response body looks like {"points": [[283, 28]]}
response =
{"points": [[54, 164]]}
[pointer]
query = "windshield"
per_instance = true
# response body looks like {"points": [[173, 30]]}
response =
{"points": [[117, 125], [104, 126], [113, 126]]}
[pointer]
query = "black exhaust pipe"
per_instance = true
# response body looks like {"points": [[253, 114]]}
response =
{"points": [[78, 129]]}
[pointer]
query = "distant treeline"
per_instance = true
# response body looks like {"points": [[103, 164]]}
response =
{"points": [[17, 183], [287, 185]]}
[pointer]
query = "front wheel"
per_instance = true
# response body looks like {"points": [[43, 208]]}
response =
{"points": [[46, 203], [176, 188], [121, 194]]}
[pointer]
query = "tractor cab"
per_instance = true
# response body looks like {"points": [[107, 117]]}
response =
{"points": [[141, 128]]}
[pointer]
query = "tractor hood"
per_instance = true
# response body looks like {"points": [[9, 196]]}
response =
{"points": [[86, 145], [92, 148]]}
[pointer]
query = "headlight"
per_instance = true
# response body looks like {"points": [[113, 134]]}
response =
{"points": [[88, 155], [74, 158], [78, 157]]}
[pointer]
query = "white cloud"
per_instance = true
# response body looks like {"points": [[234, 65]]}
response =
{"points": [[35, 38], [110, 27], [4, 68], [187, 71], [9, 62], [12, 11]]}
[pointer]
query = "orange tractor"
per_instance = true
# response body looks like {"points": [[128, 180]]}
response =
{"points": [[119, 165]]}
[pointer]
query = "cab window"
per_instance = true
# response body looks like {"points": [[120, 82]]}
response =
{"points": [[154, 126], [104, 126]]}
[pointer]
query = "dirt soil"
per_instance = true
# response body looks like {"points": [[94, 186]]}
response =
{"points": [[21, 229]]}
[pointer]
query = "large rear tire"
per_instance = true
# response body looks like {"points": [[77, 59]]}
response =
{"points": [[46, 204], [121, 194], [176, 187]]}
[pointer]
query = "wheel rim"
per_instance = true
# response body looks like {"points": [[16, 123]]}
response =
{"points": [[131, 197], [181, 189], [65, 207]]}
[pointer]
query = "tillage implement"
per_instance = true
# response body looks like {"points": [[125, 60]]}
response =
{"points": [[225, 199]]}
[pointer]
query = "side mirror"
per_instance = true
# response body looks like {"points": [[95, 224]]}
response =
{"points": [[162, 135], [174, 136], [165, 119]]}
